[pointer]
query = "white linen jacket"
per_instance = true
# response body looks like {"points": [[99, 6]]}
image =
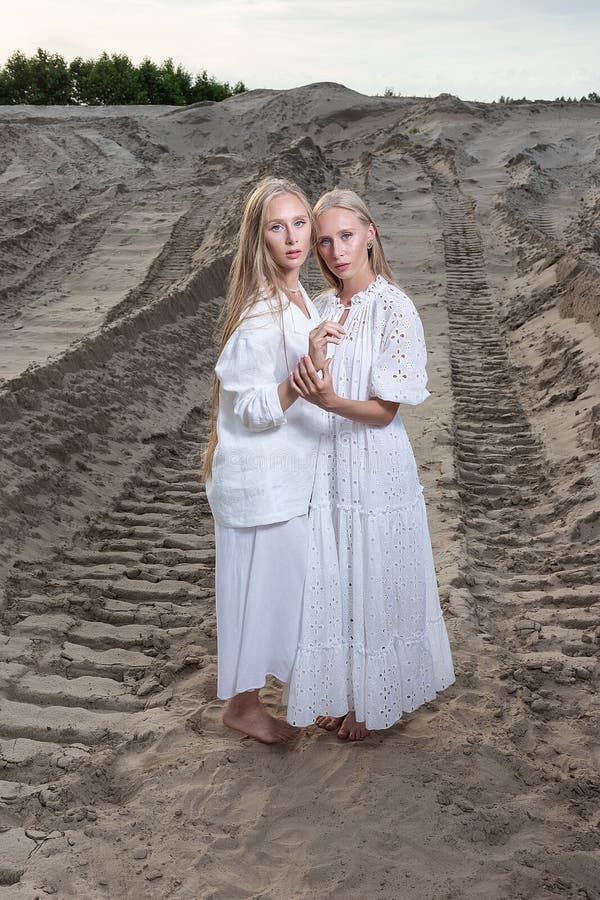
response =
{"points": [[265, 459]]}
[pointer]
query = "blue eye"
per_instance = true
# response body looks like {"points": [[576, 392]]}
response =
{"points": [[323, 241], [300, 222], [346, 235]]}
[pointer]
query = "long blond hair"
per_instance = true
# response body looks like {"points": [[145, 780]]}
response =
{"points": [[347, 199], [254, 276]]}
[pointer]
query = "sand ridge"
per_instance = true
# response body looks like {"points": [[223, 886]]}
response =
{"points": [[118, 777]]}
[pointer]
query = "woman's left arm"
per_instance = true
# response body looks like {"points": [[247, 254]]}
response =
{"points": [[398, 374], [307, 383]]}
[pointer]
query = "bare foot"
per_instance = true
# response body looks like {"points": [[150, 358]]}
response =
{"points": [[246, 713], [329, 723], [351, 730]]}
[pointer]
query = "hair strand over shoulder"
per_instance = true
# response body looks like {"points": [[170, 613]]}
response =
{"points": [[254, 276]]}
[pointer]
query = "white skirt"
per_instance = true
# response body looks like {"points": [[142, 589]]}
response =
{"points": [[373, 638], [260, 573]]}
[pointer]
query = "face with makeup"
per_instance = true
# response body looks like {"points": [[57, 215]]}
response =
{"points": [[287, 234], [342, 239]]}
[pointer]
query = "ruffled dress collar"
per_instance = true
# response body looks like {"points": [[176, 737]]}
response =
{"points": [[365, 295]]}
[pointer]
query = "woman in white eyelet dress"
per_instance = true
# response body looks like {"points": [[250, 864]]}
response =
{"points": [[373, 640]]}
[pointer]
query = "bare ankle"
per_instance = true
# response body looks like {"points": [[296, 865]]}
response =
{"points": [[243, 702]]}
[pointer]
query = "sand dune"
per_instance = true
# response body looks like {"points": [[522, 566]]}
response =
{"points": [[117, 227]]}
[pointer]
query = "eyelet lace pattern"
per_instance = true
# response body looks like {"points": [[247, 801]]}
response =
{"points": [[364, 296], [373, 637]]}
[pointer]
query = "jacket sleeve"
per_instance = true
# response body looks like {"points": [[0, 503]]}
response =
{"points": [[246, 369], [399, 371]]}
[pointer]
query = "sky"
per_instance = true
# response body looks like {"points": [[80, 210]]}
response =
{"points": [[476, 50]]}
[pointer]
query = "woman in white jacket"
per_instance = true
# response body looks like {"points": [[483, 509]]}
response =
{"points": [[261, 456]]}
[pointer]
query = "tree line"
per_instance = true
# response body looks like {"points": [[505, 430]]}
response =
{"points": [[46, 78], [592, 97]]}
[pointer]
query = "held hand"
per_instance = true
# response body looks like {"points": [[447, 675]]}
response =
{"points": [[306, 382], [326, 333]]}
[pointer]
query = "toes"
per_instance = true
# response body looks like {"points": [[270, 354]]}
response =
{"points": [[329, 723], [334, 723], [359, 733], [347, 727]]}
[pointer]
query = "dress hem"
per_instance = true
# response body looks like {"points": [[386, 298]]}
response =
{"points": [[327, 681], [256, 687]]}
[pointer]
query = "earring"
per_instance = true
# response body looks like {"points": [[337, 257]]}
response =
{"points": [[370, 244]]}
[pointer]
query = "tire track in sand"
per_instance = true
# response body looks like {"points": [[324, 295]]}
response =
{"points": [[92, 644], [516, 522], [532, 560]]}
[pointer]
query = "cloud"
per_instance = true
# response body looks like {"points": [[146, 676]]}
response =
{"points": [[478, 50]]}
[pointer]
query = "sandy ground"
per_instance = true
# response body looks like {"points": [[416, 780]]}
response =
{"points": [[118, 779]]}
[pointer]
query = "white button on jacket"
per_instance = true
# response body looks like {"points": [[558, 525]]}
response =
{"points": [[265, 460]]}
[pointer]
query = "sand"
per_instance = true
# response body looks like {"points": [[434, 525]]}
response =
{"points": [[118, 779]]}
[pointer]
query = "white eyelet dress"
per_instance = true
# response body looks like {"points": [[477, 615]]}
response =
{"points": [[373, 638], [259, 492]]}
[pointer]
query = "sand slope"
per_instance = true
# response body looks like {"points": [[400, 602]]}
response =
{"points": [[116, 233]]}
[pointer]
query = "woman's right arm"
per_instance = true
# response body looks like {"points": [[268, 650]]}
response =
{"points": [[319, 390], [246, 369], [327, 332]]}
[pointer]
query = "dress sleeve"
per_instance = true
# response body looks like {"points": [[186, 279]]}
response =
{"points": [[399, 371], [246, 369]]}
